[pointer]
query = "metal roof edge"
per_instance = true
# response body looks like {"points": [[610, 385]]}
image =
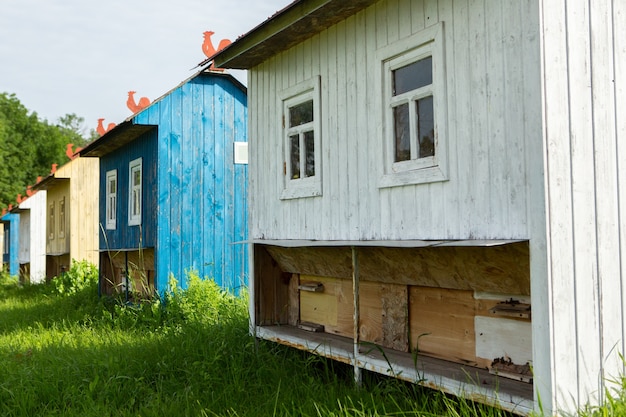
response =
{"points": [[286, 28], [407, 243]]}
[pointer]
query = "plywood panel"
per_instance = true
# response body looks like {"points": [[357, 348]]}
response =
{"points": [[442, 323], [394, 301], [330, 262], [371, 312], [503, 338], [332, 308], [502, 269], [499, 269]]}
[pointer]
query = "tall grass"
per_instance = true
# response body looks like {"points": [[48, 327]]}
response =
{"points": [[67, 352]]}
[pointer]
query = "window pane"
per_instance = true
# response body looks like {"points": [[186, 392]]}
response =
{"points": [[111, 208], [136, 203], [425, 127], [309, 146], [294, 156], [301, 114], [112, 186], [61, 217], [401, 133], [413, 76], [137, 177]]}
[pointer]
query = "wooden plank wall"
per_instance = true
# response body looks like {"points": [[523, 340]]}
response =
{"points": [[454, 325], [12, 233], [24, 238], [584, 100], [401, 306], [492, 80], [36, 206], [125, 236], [202, 208], [141, 272], [2, 243], [57, 191], [82, 210]]}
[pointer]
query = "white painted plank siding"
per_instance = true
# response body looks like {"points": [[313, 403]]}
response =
{"points": [[581, 54], [36, 208], [23, 254], [486, 195]]}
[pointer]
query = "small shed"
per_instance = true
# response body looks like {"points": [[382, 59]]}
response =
{"points": [[71, 214], [424, 173], [173, 181], [32, 237], [4, 250], [10, 252]]}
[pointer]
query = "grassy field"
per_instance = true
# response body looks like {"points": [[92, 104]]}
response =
{"points": [[64, 351]]}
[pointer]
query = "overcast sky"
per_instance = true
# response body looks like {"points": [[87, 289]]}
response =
{"points": [[83, 56]]}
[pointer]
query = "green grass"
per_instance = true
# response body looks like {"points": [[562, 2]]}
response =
{"points": [[67, 352]]}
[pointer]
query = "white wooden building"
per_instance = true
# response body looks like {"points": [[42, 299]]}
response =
{"points": [[32, 239], [424, 173]]}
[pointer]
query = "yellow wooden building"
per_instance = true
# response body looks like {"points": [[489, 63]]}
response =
{"points": [[72, 214]]}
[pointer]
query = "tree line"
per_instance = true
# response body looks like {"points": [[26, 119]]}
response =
{"points": [[29, 146]]}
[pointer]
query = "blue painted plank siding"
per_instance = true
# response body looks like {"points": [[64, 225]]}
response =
{"points": [[125, 236], [12, 232], [202, 207]]}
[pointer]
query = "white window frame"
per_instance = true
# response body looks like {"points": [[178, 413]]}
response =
{"points": [[134, 218], [111, 200], [51, 220], [424, 44], [293, 96], [6, 237], [62, 217]]}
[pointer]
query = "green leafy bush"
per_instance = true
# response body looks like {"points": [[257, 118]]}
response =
{"points": [[81, 276], [203, 302]]}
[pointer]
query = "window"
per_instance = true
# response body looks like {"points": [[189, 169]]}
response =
{"points": [[302, 139], [134, 188], [414, 116], [62, 217], [240, 152], [111, 200], [51, 221], [7, 239]]}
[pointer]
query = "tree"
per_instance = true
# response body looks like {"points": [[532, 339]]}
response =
{"points": [[29, 146], [73, 127]]}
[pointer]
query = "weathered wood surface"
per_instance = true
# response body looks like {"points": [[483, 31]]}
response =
{"points": [[333, 307], [583, 102], [498, 337], [442, 323], [500, 269], [36, 207], [199, 195], [490, 124], [449, 377], [271, 290]]}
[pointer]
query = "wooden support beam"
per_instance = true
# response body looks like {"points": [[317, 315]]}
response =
{"points": [[358, 379]]}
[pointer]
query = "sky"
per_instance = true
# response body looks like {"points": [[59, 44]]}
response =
{"points": [[83, 56]]}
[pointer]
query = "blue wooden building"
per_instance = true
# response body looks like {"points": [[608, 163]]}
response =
{"points": [[10, 251], [173, 184]]}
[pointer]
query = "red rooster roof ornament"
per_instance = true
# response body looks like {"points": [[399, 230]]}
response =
{"points": [[209, 50], [136, 107], [100, 128], [71, 153]]}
